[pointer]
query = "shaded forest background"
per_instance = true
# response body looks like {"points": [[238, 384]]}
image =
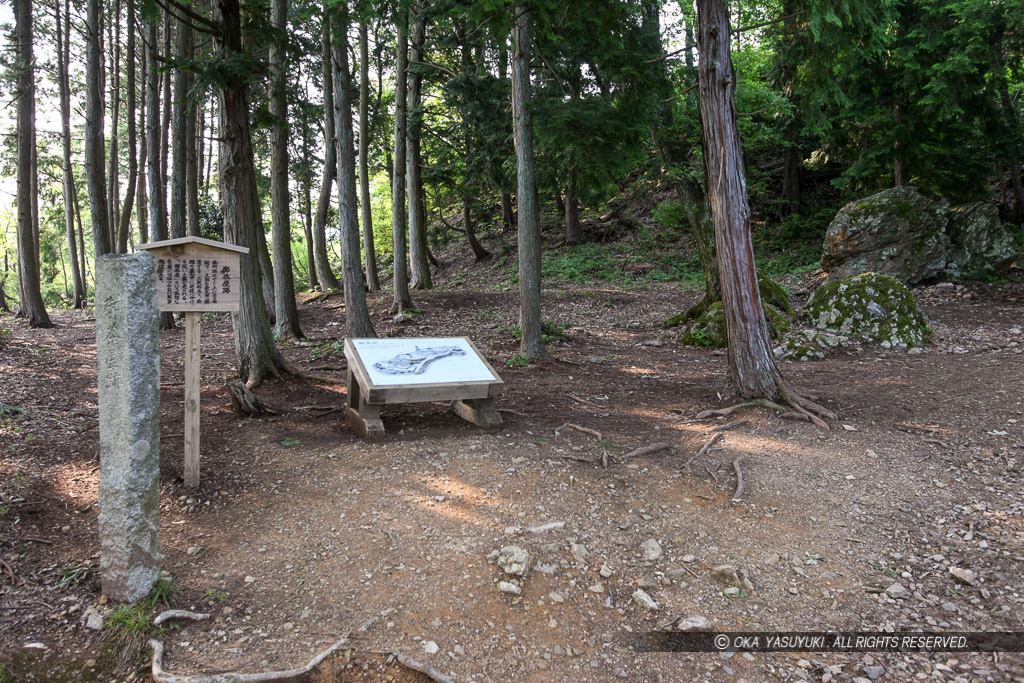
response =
{"points": [[834, 100]]}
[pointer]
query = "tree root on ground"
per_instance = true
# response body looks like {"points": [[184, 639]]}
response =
{"points": [[246, 402], [740, 485], [424, 669], [162, 676], [586, 430], [692, 313], [707, 447], [646, 450], [167, 615]]}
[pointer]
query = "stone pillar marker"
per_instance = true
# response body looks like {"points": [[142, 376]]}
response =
{"points": [[128, 354]]}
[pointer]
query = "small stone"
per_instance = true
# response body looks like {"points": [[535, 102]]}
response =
{"points": [[597, 360], [459, 650], [644, 601], [689, 559], [606, 571], [250, 579], [65, 529], [552, 623], [430, 647], [694, 623], [874, 672], [849, 428], [897, 592], [648, 582], [556, 597], [731, 592], [288, 626], [949, 607], [579, 551], [726, 573], [194, 550], [651, 550], [596, 588], [507, 587], [94, 622], [550, 526], [514, 560], [964, 576]]}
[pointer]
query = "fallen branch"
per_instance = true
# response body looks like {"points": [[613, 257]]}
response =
{"points": [[583, 400], [736, 497], [9, 571], [576, 458], [162, 676], [424, 669], [512, 412], [586, 430], [724, 412], [704, 449], [728, 426], [646, 450], [167, 615], [36, 540]]}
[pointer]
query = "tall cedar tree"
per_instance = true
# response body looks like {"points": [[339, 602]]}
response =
{"points": [[287, 324], [258, 356], [369, 250], [32, 306], [403, 299], [752, 369], [324, 275], [357, 315], [531, 344]]}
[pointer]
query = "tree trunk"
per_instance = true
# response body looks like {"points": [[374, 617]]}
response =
{"points": [[157, 200], [573, 227], [403, 299], [32, 305], [113, 159], [287, 326], [165, 119], [184, 49], [324, 275], [124, 226], [420, 265], [63, 33], [531, 343], [357, 315], [369, 249], [508, 217], [96, 181], [141, 196], [752, 369], [257, 354], [479, 252], [307, 205]]}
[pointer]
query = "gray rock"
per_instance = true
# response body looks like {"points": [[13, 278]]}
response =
{"points": [[694, 623], [94, 622], [964, 576], [508, 587], [550, 526], [650, 549], [978, 241], [874, 672], [430, 647], [897, 591], [644, 601], [606, 571], [514, 560], [897, 232], [731, 592], [128, 353], [579, 551]]}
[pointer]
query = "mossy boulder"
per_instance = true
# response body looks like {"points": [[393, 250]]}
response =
{"points": [[897, 232], [979, 243], [709, 328], [807, 345], [873, 308], [773, 293]]}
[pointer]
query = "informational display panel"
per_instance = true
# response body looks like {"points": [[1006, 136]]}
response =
{"points": [[193, 274], [430, 360]]}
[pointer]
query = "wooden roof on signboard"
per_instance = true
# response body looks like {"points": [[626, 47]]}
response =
{"points": [[190, 240]]}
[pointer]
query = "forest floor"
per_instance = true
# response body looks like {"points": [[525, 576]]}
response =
{"points": [[302, 533]]}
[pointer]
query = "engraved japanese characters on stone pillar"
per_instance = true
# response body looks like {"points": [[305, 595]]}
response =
{"points": [[128, 351]]}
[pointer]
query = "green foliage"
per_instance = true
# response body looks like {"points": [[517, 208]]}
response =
{"points": [[324, 349], [218, 596], [517, 361], [550, 332], [291, 441]]}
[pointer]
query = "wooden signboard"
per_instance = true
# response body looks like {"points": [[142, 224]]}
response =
{"points": [[382, 371], [195, 275]]}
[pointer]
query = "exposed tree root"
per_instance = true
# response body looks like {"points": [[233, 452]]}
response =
{"points": [[736, 497], [707, 447], [162, 676], [246, 402], [424, 669], [646, 450], [725, 412], [809, 408], [728, 426], [586, 430], [692, 313], [169, 614]]}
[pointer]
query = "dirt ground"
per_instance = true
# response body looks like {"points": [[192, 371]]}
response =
{"points": [[303, 533]]}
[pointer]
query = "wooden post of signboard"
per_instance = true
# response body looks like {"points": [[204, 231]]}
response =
{"points": [[192, 331], [195, 275]]}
